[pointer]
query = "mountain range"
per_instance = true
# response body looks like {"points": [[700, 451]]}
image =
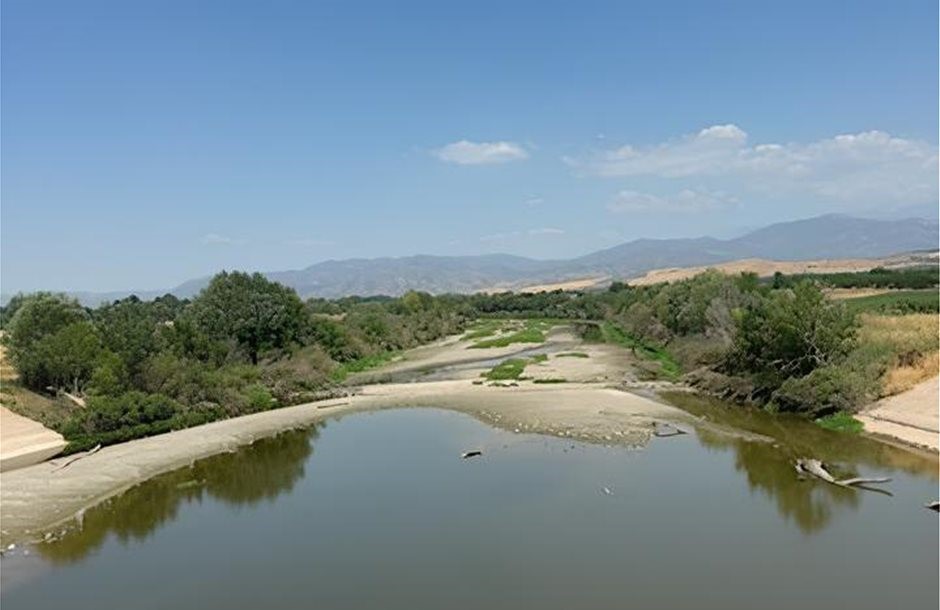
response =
{"points": [[829, 236]]}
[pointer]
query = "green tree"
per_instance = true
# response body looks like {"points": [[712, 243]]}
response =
{"points": [[37, 318], [789, 334], [254, 312], [130, 328], [415, 301], [66, 358]]}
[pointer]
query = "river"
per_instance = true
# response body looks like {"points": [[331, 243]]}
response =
{"points": [[378, 510]]}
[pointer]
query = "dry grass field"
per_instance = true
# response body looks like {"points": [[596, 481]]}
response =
{"points": [[913, 338]]}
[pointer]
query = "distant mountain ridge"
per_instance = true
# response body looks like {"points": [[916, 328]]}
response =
{"points": [[830, 236]]}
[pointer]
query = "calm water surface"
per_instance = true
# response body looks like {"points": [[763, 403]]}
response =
{"points": [[377, 511]]}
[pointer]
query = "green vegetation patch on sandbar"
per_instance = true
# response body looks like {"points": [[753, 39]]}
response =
{"points": [[534, 332], [484, 328], [507, 369]]}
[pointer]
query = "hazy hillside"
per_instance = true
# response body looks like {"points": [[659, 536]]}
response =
{"points": [[436, 274], [838, 236], [830, 236]]}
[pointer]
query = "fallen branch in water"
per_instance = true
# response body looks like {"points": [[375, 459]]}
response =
{"points": [[470, 454], [934, 506], [816, 468], [666, 430]]}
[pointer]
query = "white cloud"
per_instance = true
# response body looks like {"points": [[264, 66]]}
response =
{"points": [[215, 239], [867, 167], [512, 235], [686, 200], [465, 152]]}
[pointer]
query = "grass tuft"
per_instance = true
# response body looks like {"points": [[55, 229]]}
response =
{"points": [[841, 422]]}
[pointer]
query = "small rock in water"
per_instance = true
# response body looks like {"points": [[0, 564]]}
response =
{"points": [[11, 547], [607, 491]]}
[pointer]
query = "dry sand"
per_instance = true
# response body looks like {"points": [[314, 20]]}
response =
{"points": [[912, 417]]}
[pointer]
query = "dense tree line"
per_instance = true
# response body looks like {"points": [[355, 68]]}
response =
{"points": [[246, 344], [908, 278]]}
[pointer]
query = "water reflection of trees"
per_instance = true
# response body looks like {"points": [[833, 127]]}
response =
{"points": [[768, 464], [261, 471], [809, 504]]}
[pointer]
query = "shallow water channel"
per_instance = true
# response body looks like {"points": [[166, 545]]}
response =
{"points": [[377, 510]]}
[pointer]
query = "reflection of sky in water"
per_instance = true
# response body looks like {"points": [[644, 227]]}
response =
{"points": [[377, 509]]}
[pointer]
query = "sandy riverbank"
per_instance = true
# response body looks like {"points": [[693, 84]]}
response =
{"points": [[912, 417], [39, 497]]}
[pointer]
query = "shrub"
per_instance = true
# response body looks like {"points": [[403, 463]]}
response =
{"points": [[259, 397], [105, 414], [824, 391]]}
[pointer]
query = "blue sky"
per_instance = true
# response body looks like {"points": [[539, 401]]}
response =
{"points": [[146, 143]]}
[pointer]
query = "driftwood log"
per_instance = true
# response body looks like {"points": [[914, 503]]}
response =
{"points": [[92, 451], [666, 430], [818, 470], [470, 454], [934, 506]]}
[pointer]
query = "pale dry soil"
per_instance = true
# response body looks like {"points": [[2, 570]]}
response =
{"points": [[912, 416]]}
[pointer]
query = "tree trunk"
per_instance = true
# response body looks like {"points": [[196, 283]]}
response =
{"points": [[816, 468]]}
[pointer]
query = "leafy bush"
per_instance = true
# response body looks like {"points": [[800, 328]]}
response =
{"points": [[259, 397], [824, 391]]}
